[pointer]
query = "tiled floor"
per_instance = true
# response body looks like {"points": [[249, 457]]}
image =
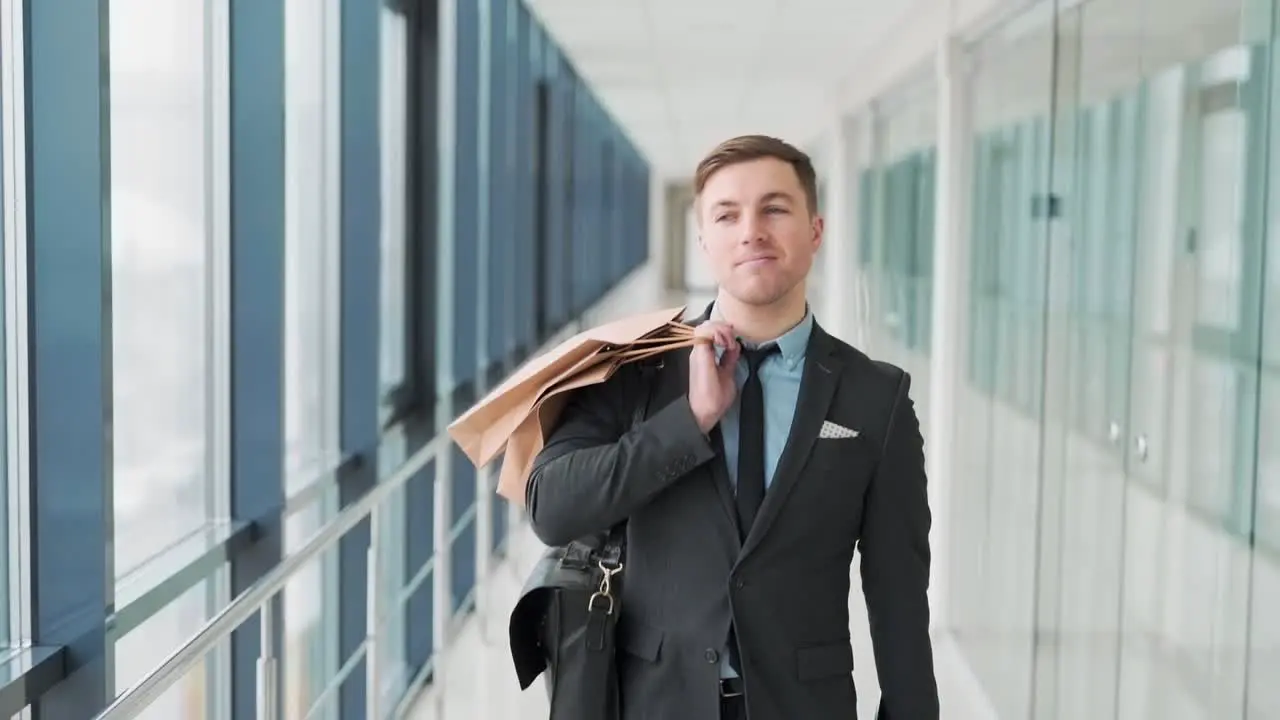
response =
{"points": [[477, 680]]}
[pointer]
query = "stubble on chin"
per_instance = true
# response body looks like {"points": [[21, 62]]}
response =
{"points": [[761, 294]]}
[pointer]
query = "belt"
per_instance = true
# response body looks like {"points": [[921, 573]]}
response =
{"points": [[731, 687]]}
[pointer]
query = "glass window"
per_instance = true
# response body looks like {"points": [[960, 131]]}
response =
{"points": [[470, 284], [395, 517], [394, 116], [160, 269], [311, 353], [497, 204], [137, 654], [311, 232], [310, 658], [1135, 476], [896, 225], [6, 217], [995, 497], [165, 307], [466, 283]]}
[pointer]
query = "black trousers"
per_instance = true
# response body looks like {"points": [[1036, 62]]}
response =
{"points": [[733, 708], [733, 703]]}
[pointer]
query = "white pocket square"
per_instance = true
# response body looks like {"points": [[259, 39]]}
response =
{"points": [[832, 430]]}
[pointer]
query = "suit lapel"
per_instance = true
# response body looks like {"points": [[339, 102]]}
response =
{"points": [[720, 476], [817, 389], [719, 470]]}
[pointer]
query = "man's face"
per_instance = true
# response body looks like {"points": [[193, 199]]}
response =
{"points": [[757, 230]]}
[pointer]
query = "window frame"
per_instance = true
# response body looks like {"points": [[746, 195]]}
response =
{"points": [[415, 398], [15, 528]]}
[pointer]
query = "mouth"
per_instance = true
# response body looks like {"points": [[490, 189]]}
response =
{"points": [[755, 262]]}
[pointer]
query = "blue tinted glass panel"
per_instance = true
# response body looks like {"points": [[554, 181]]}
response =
{"points": [[463, 550], [419, 546], [466, 187], [499, 201]]}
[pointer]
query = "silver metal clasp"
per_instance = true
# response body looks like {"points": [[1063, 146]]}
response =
{"points": [[605, 593]]}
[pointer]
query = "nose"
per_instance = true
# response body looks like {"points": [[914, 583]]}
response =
{"points": [[753, 229]]}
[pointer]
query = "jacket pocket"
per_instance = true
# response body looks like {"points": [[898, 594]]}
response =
{"points": [[640, 639], [823, 661]]}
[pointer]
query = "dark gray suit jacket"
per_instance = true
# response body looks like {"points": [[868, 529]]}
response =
{"points": [[787, 586]]}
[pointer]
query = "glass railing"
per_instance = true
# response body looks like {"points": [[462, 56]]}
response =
{"points": [[257, 602]]}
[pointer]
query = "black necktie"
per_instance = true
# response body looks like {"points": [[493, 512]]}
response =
{"points": [[750, 460], [751, 440]]}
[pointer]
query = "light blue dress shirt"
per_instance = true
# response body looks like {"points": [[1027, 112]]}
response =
{"points": [[780, 375]]}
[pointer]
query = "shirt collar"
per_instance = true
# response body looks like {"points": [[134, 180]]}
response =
{"points": [[792, 344]]}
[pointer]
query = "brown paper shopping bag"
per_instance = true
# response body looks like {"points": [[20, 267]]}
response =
{"points": [[484, 430], [530, 436]]}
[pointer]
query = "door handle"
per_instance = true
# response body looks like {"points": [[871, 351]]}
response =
{"points": [[1140, 446]]}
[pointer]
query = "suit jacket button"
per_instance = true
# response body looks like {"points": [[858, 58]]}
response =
{"points": [[712, 656]]}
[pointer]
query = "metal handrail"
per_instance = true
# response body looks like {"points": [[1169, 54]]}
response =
{"points": [[257, 597]]}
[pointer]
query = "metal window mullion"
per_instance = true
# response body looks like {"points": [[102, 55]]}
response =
{"points": [[441, 594], [218, 234], [331, 335], [13, 218], [67, 126]]}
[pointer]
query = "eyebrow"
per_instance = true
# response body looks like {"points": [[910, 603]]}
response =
{"points": [[768, 197]]}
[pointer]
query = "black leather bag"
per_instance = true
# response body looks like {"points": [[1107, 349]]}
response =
{"points": [[564, 625]]}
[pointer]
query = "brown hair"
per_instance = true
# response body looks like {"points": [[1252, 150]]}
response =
{"points": [[746, 148]]}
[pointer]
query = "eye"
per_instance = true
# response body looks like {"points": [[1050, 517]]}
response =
{"points": [[775, 209], [722, 218]]}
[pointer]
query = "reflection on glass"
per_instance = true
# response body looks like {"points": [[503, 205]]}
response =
{"points": [[159, 274]]}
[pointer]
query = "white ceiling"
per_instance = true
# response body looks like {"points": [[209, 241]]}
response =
{"points": [[682, 75]]}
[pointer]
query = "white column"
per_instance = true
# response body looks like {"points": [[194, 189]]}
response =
{"points": [[658, 255], [950, 305], [683, 258], [840, 247]]}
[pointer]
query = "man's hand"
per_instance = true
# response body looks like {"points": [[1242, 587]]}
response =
{"points": [[711, 385]]}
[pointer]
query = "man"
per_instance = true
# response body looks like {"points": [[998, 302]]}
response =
{"points": [[770, 451]]}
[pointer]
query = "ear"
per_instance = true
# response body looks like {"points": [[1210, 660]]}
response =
{"points": [[819, 231]]}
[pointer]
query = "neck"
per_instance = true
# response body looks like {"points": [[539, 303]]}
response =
{"points": [[762, 323]]}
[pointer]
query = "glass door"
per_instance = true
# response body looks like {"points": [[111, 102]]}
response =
{"points": [[1191, 465], [999, 420], [1097, 151], [1263, 692]]}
